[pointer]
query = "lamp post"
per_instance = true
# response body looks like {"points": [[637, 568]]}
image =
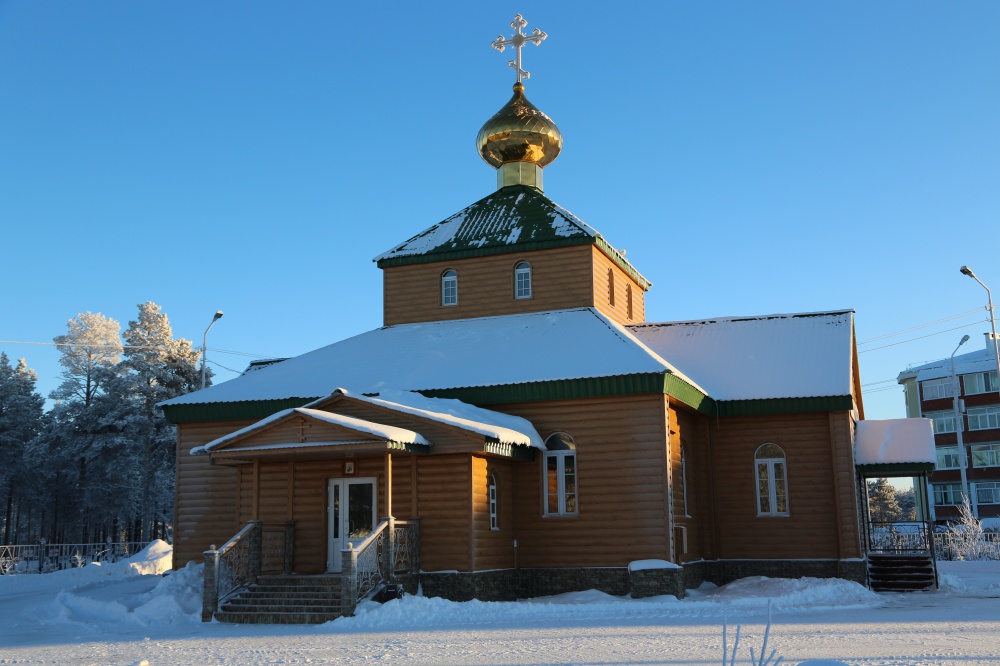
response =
{"points": [[993, 322], [959, 421], [204, 344]]}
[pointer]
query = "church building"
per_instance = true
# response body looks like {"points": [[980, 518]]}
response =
{"points": [[517, 427]]}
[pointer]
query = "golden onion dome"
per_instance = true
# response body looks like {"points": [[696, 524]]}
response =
{"points": [[519, 132]]}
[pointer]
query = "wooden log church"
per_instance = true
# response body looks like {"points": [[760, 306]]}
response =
{"points": [[518, 428]]}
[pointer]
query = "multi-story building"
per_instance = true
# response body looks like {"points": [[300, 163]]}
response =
{"points": [[964, 404]]}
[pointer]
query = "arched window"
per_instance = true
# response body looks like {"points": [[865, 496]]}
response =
{"points": [[611, 287], [684, 478], [449, 288], [772, 480], [522, 280], [560, 475], [494, 504], [628, 300]]}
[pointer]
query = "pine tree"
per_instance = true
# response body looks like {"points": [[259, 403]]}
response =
{"points": [[91, 344], [882, 504], [21, 417]]}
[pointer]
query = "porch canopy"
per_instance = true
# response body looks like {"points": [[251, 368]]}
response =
{"points": [[346, 425], [894, 446], [303, 432]]}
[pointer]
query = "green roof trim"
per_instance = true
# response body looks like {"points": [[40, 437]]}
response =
{"points": [[889, 468], [517, 218], [560, 389], [593, 387], [836, 403]]}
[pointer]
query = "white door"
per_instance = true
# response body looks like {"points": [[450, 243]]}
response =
{"points": [[351, 515]]}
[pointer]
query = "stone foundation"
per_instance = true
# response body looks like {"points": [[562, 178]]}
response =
{"points": [[513, 584]]}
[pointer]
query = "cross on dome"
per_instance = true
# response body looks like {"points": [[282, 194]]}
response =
{"points": [[517, 41]]}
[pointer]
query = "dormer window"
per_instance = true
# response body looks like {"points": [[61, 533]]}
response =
{"points": [[522, 280], [628, 300], [449, 288], [611, 287]]}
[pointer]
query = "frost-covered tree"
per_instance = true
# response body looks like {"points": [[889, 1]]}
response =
{"points": [[966, 534], [91, 344], [21, 417], [155, 367]]}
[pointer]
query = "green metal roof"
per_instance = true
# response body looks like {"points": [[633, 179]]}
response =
{"points": [[513, 219]]}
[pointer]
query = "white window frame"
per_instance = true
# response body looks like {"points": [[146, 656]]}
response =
{"points": [[980, 382], [945, 452], [522, 280], [561, 456], [988, 492], [943, 492], [943, 421], [934, 389], [493, 497], [983, 418], [988, 453], [772, 465], [449, 288]]}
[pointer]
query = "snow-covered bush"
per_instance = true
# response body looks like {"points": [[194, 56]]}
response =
{"points": [[966, 535]]}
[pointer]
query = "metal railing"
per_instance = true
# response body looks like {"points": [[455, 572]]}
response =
{"points": [[952, 546], [235, 566], [899, 538], [393, 547], [47, 557]]}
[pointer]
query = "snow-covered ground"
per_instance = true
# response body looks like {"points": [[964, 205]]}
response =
{"points": [[127, 613]]}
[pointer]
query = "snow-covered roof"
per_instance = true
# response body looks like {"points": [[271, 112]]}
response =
{"points": [[894, 441], [488, 351], [377, 430], [982, 360], [505, 428], [754, 358]]}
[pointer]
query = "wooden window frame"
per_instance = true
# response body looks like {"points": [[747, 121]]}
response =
{"points": [[628, 300], [772, 464], [449, 278], [522, 268], [611, 287], [560, 456]]}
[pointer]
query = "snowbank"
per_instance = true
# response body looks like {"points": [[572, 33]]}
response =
{"points": [[971, 579]]}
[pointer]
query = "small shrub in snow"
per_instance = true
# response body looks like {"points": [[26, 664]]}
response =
{"points": [[754, 660], [967, 534]]}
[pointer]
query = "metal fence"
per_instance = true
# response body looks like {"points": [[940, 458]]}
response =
{"points": [[47, 557], [957, 546]]}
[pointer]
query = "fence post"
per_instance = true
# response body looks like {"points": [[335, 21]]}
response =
{"points": [[414, 545], [41, 555], [255, 544], [348, 580], [388, 553], [210, 593], [289, 546]]}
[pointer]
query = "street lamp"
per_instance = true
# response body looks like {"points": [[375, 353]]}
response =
{"points": [[959, 421], [204, 344], [993, 322]]}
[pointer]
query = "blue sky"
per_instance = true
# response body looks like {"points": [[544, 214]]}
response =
{"points": [[752, 158]]}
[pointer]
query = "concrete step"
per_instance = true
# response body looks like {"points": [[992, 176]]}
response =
{"points": [[247, 617]]}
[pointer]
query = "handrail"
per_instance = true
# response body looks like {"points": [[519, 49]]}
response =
{"points": [[368, 539], [226, 547]]}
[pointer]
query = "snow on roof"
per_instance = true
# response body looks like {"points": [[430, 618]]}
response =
{"points": [[894, 441], [509, 216], [505, 428], [488, 351], [379, 430], [754, 358], [982, 360]]}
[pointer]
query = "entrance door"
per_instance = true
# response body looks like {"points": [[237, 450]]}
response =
{"points": [[351, 515]]}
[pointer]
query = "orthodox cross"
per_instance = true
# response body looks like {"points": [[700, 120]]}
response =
{"points": [[301, 426], [517, 41]]}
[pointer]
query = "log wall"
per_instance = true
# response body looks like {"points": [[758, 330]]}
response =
{"points": [[622, 498], [818, 501], [622, 282], [205, 503], [492, 549]]}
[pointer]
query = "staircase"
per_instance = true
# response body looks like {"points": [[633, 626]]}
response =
{"points": [[901, 573], [285, 600]]}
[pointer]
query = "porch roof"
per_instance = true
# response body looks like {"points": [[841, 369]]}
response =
{"points": [[897, 445], [376, 431]]}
